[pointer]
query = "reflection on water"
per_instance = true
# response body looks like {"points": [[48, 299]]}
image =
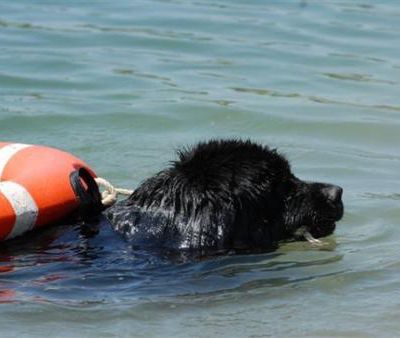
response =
{"points": [[64, 263]]}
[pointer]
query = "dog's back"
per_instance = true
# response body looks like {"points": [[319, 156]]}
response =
{"points": [[199, 198]]}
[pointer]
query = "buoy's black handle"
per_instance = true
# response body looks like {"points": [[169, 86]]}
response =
{"points": [[89, 196]]}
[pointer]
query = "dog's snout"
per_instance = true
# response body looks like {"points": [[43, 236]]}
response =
{"points": [[333, 193]]}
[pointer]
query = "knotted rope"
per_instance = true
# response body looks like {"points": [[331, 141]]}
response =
{"points": [[110, 194]]}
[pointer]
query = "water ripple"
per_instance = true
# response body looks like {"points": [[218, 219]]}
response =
{"points": [[123, 84]]}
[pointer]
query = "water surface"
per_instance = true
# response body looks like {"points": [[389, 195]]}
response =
{"points": [[123, 84]]}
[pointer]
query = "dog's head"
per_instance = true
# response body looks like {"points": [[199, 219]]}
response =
{"points": [[311, 208]]}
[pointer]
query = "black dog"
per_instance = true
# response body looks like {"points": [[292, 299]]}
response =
{"points": [[227, 194]]}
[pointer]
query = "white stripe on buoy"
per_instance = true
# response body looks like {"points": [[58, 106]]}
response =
{"points": [[9, 151], [25, 208]]}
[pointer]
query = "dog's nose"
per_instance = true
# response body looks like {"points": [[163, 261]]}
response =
{"points": [[333, 193]]}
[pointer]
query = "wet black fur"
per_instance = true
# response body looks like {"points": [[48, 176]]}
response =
{"points": [[224, 194]]}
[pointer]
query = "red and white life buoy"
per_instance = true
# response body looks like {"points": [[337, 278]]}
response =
{"points": [[41, 186]]}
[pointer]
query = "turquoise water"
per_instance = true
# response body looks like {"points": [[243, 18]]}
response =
{"points": [[123, 84]]}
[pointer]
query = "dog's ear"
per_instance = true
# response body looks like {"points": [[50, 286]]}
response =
{"points": [[211, 224]]}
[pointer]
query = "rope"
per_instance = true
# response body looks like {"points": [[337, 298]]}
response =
{"points": [[110, 194]]}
